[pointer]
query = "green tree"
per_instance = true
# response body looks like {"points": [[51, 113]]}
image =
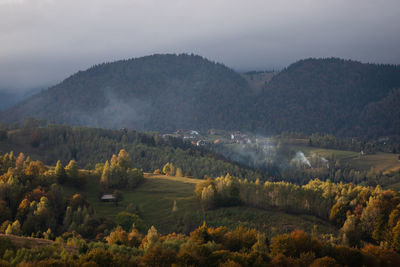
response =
{"points": [[72, 169], [60, 173], [351, 231], [14, 228], [396, 237], [124, 160], [129, 221], [118, 196]]}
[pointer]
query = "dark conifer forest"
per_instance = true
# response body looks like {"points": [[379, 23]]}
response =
{"points": [[168, 92]]}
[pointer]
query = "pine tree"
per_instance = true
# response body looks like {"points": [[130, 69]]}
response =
{"points": [[72, 169], [396, 237], [118, 196], [60, 173]]}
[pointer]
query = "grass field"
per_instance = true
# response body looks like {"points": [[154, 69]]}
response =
{"points": [[385, 162], [324, 152], [267, 221], [31, 242], [154, 199], [156, 195]]}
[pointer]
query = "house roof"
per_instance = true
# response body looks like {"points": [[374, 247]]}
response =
{"points": [[106, 197]]}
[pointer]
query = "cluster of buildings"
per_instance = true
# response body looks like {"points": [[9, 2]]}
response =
{"points": [[187, 134], [194, 137], [240, 138]]}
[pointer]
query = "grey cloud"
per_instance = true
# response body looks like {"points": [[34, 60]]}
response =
{"points": [[44, 41]]}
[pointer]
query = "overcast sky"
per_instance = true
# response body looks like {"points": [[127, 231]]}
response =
{"points": [[44, 41]]}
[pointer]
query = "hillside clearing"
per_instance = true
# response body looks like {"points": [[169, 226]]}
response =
{"points": [[385, 162], [154, 200], [325, 152], [31, 242]]}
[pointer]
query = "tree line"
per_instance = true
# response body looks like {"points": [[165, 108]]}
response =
{"points": [[149, 151], [205, 246], [364, 214]]}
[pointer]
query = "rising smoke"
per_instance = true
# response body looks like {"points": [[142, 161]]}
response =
{"points": [[268, 154], [301, 158]]}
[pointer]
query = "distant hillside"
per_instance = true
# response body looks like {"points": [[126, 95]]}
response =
{"points": [[169, 92], [330, 95], [9, 98], [159, 92], [257, 80]]}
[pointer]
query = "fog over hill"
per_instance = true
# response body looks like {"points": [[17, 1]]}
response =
{"points": [[9, 98], [169, 92]]}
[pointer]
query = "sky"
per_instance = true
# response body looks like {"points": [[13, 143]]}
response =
{"points": [[43, 42]]}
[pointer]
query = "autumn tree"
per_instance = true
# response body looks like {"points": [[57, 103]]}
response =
{"points": [[105, 176], [72, 169], [169, 169], [118, 172], [179, 172], [60, 173]]}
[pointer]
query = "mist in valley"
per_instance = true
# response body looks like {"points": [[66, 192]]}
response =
{"points": [[274, 156]]}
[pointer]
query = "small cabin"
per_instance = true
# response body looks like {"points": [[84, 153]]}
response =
{"points": [[107, 198]]}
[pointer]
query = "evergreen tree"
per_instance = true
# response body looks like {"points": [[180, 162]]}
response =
{"points": [[72, 169], [60, 172], [118, 196]]}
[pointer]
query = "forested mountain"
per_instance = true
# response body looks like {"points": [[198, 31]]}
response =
{"points": [[169, 92], [331, 95], [6, 100], [9, 98], [160, 92]]}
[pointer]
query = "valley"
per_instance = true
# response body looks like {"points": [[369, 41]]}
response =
{"points": [[120, 166], [199, 133]]}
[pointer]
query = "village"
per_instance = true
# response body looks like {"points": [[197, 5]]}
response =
{"points": [[212, 136]]}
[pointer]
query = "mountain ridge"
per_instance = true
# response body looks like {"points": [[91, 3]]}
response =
{"points": [[165, 92]]}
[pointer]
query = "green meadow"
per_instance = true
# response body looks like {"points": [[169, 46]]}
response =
{"points": [[154, 200], [384, 162]]}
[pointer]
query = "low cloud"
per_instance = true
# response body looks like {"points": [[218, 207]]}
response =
{"points": [[44, 41]]}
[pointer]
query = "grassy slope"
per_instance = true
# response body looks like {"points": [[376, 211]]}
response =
{"points": [[325, 152], [31, 242], [155, 197], [385, 162]]}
